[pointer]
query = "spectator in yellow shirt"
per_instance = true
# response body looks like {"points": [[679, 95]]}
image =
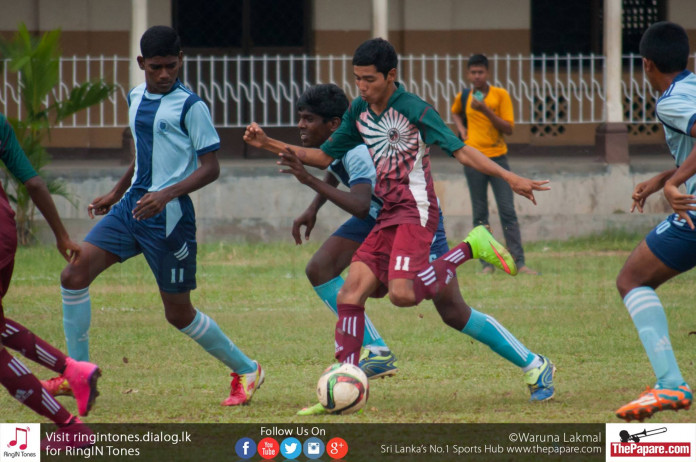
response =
{"points": [[483, 114]]}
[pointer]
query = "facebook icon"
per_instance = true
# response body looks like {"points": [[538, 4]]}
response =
{"points": [[245, 448]]}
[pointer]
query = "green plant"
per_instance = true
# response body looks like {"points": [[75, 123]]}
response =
{"points": [[36, 61]]}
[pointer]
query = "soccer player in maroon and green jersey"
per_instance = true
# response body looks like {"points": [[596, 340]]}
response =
{"points": [[398, 128]]}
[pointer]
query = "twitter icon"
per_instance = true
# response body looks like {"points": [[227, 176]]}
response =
{"points": [[290, 448]]}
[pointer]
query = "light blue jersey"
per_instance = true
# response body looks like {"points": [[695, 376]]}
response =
{"points": [[676, 109], [170, 130], [357, 167]]}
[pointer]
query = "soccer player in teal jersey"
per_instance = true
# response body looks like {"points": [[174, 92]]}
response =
{"points": [[670, 248], [397, 128], [14, 375], [149, 211]]}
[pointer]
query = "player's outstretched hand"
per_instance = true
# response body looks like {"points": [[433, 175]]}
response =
{"points": [[255, 136], [288, 158], [680, 203], [68, 249], [101, 205], [526, 187], [308, 219]]}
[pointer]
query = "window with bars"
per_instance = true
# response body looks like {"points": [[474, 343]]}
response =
{"points": [[243, 26], [577, 26]]}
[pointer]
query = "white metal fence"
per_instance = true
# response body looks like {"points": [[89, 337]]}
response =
{"points": [[546, 91]]}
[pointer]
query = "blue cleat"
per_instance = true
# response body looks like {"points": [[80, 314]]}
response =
{"points": [[378, 366], [540, 381]]}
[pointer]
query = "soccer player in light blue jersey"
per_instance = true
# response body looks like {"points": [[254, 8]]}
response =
{"points": [[670, 248], [149, 212]]}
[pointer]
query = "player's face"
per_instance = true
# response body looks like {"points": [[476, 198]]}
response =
{"points": [[478, 76], [313, 130], [374, 87], [160, 72]]}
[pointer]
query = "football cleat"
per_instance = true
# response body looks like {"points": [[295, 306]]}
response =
{"points": [[82, 378], [653, 400], [375, 366], [485, 247], [317, 409], [244, 386], [57, 386], [540, 381]]}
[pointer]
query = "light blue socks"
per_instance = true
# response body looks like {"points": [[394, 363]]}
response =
{"points": [[205, 331], [77, 315], [648, 315], [488, 331]]}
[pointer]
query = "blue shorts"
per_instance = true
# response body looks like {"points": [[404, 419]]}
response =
{"points": [[674, 243], [168, 240], [357, 230], [439, 246]]}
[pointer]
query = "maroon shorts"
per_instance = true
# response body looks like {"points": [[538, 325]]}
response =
{"points": [[395, 252]]}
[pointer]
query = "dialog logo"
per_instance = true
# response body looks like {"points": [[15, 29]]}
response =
{"points": [[245, 448], [20, 442], [313, 448], [291, 448]]}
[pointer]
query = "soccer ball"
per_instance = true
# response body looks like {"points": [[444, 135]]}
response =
{"points": [[343, 389]]}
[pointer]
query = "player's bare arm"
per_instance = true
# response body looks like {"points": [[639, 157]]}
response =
{"points": [[255, 136], [102, 204], [154, 202], [523, 186], [41, 197], [645, 188], [356, 202]]}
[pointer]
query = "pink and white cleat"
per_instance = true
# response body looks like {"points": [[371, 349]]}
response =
{"points": [[82, 378]]}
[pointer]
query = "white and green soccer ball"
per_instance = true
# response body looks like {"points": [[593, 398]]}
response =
{"points": [[343, 389]]}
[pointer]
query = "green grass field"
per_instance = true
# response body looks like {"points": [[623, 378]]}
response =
{"points": [[260, 297]]}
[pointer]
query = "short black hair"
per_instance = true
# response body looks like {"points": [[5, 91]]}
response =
{"points": [[326, 100], [160, 41], [477, 60], [667, 45], [377, 52]]}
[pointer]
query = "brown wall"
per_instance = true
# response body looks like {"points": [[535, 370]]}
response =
{"points": [[511, 41]]}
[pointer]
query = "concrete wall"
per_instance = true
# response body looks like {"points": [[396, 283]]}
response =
{"points": [[433, 27], [253, 202]]}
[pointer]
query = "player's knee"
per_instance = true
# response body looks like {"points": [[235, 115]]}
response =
{"points": [[402, 297], [624, 283], [177, 318], [72, 278], [314, 273]]}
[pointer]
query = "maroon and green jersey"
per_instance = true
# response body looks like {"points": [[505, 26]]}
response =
{"points": [[12, 155], [398, 140]]}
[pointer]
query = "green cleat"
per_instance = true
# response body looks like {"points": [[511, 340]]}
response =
{"points": [[485, 247], [375, 366], [540, 381], [317, 409]]}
